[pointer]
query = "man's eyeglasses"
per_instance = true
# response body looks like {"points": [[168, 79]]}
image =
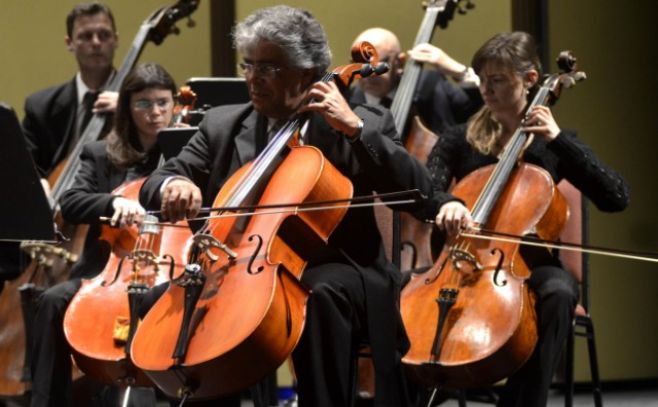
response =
{"points": [[147, 105], [263, 70]]}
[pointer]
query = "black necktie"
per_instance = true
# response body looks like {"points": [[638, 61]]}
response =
{"points": [[87, 104], [386, 102]]}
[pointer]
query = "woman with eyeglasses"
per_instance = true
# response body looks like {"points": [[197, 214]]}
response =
{"points": [[145, 106]]}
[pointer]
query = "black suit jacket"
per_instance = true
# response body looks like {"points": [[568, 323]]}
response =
{"points": [[226, 140], [91, 197], [438, 102], [50, 125]]}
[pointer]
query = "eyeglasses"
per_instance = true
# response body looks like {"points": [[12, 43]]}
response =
{"points": [[264, 70], [147, 105]]}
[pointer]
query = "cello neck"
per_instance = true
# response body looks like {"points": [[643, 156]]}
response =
{"points": [[508, 158], [269, 158]]}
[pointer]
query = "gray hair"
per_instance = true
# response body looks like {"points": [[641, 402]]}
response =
{"points": [[294, 30]]}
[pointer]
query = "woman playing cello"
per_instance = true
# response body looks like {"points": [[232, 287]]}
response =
{"points": [[145, 105], [509, 70]]}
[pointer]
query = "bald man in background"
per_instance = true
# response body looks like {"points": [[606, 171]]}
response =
{"points": [[438, 101]]}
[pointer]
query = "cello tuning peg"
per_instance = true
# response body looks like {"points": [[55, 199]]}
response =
{"points": [[568, 81], [580, 76], [366, 70], [463, 8], [190, 22], [382, 68], [175, 30]]}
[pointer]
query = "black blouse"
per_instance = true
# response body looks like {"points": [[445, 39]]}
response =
{"points": [[564, 157]]}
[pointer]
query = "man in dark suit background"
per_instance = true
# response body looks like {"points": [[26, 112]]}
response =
{"points": [[56, 116], [353, 287], [438, 101]]}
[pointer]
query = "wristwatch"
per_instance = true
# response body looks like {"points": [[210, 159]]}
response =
{"points": [[357, 135]]}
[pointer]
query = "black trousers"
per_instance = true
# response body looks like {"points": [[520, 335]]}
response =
{"points": [[557, 296], [51, 354], [325, 359]]}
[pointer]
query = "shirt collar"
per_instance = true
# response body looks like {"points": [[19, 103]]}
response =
{"points": [[83, 88]]}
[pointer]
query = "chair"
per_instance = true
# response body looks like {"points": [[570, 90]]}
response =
{"points": [[578, 264]]}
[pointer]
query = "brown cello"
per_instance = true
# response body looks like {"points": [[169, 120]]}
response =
{"points": [[51, 262], [140, 259], [239, 310], [101, 316], [471, 318]]}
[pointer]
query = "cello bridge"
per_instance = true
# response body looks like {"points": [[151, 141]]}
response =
{"points": [[458, 255], [144, 257], [205, 243]]}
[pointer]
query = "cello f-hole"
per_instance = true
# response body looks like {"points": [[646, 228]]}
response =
{"points": [[433, 278], [172, 265], [499, 266], [255, 254], [105, 283]]}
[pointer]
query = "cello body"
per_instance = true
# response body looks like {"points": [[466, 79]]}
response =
{"points": [[98, 349], [490, 331], [251, 310]]}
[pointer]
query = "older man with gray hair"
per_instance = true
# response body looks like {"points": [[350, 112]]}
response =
{"points": [[353, 288]]}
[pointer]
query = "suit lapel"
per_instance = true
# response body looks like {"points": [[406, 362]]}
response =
{"points": [[65, 109], [245, 140], [356, 95]]}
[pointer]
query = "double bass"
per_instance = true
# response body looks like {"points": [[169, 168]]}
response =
{"points": [[471, 318], [415, 251], [239, 309], [51, 262]]}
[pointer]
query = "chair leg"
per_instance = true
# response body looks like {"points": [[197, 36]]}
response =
{"points": [[568, 367], [462, 398], [593, 363]]}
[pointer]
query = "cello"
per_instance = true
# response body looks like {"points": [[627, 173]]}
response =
{"points": [[452, 311], [140, 257], [51, 262], [238, 311], [415, 250]]}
